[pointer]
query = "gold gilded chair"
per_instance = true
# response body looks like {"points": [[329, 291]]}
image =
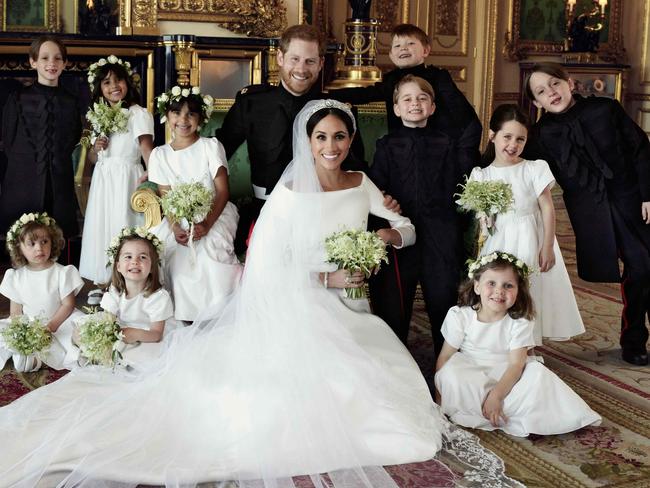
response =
{"points": [[82, 175], [145, 200]]}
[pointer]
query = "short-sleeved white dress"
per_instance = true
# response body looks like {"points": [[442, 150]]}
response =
{"points": [[216, 271], [521, 232], [115, 178], [539, 403], [140, 312], [40, 293]]}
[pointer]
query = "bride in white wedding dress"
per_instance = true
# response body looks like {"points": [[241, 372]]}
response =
{"points": [[286, 380]]}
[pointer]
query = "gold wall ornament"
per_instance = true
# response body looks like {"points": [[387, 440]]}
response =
{"points": [[183, 56], [358, 67], [273, 76], [450, 31], [144, 15], [447, 17], [386, 14], [259, 18], [137, 17]]}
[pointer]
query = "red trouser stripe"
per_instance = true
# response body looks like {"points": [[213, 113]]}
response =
{"points": [[399, 282], [626, 324]]}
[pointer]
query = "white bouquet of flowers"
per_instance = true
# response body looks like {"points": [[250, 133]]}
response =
{"points": [[486, 198], [187, 204], [106, 119], [98, 336], [26, 336], [356, 250]]}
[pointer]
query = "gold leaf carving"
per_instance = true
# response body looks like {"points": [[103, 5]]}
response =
{"points": [[261, 18]]}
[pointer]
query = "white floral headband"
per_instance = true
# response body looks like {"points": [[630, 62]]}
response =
{"points": [[176, 94], [13, 234], [112, 59], [127, 232], [521, 266]]}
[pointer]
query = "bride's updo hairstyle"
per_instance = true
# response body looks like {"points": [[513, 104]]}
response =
{"points": [[324, 112]]}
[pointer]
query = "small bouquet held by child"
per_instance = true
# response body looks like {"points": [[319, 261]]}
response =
{"points": [[356, 250], [187, 204], [486, 199], [28, 339], [98, 336], [106, 119]]}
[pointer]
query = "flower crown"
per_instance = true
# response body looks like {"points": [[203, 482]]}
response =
{"points": [[475, 265], [13, 234], [321, 104], [112, 59], [139, 232], [176, 94]]}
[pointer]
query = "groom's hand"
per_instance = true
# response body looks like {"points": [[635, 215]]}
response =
{"points": [[391, 204]]}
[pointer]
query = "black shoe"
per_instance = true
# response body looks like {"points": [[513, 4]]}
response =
{"points": [[636, 358]]}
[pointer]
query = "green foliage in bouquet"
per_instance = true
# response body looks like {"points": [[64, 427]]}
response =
{"points": [[105, 120], [187, 203], [25, 336], [99, 334], [486, 198], [356, 250]]}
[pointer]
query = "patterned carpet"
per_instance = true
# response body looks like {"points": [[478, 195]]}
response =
{"points": [[613, 455]]}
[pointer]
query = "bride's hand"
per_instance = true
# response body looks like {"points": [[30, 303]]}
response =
{"points": [[342, 278], [180, 235], [201, 229]]}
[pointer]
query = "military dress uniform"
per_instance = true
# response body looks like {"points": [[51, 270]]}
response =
{"points": [[419, 167], [263, 116], [601, 159]]}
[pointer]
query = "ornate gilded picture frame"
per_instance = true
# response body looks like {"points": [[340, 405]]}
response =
{"points": [[29, 15], [257, 18], [539, 27]]}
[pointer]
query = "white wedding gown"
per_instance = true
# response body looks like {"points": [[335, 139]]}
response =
{"points": [[286, 381]]}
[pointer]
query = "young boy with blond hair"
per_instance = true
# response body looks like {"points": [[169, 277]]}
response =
{"points": [[421, 166]]}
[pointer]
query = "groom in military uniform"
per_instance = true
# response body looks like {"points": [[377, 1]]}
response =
{"points": [[263, 116]]}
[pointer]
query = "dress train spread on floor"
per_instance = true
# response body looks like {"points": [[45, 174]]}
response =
{"points": [[285, 380]]}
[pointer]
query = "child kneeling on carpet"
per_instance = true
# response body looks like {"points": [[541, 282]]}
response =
{"points": [[144, 309], [485, 378]]}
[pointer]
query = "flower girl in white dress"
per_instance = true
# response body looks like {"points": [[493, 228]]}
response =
{"points": [[118, 168], [528, 229], [143, 308], [484, 376], [204, 272], [41, 287]]}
